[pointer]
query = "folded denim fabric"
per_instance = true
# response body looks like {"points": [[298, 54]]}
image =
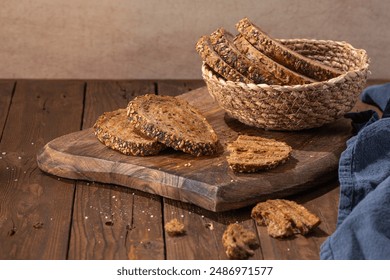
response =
{"points": [[363, 225], [362, 119], [378, 95]]}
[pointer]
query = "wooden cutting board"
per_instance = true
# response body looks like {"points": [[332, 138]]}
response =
{"points": [[205, 181]]}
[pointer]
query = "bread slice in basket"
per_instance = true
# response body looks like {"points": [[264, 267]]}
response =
{"points": [[208, 54], [222, 43], [253, 153], [283, 55], [273, 72], [115, 131], [173, 122]]}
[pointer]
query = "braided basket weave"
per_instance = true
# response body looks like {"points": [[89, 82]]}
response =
{"points": [[296, 107]]}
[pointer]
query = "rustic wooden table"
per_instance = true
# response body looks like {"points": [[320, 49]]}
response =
{"points": [[45, 217]]}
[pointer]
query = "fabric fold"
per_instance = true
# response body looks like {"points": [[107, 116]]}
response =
{"points": [[363, 224]]}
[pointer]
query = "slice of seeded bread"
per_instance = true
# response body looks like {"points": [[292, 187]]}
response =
{"points": [[115, 131], [212, 59], [283, 55], [173, 122], [284, 218], [273, 72], [222, 42], [252, 153]]}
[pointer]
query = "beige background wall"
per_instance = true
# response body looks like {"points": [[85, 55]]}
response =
{"points": [[154, 39]]}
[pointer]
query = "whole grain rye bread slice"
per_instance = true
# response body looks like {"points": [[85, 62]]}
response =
{"points": [[115, 131], [173, 122], [284, 218], [253, 153], [274, 73], [283, 55], [222, 43], [212, 59]]}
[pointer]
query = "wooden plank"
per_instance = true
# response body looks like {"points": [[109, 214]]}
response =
{"points": [[6, 90], [204, 230], [204, 181], [112, 222], [177, 87], [35, 208]]}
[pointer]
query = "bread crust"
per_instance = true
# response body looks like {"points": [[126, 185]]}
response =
{"points": [[253, 153], [283, 55], [273, 72], [173, 122], [206, 51], [222, 42], [115, 131]]}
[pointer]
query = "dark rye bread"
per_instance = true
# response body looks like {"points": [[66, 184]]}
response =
{"points": [[283, 55], [274, 73], [173, 122], [222, 42], [253, 153], [284, 218], [239, 242], [115, 131], [212, 59]]}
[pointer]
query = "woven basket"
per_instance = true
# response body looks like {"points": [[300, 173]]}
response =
{"points": [[296, 107]]}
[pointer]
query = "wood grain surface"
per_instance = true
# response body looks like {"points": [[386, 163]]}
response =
{"points": [[35, 209], [205, 181], [47, 217]]}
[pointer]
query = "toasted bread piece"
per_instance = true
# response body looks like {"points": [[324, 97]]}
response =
{"points": [[173, 122], [253, 153], [115, 131], [239, 242], [174, 228], [222, 42], [283, 55], [274, 73], [284, 218], [212, 59]]}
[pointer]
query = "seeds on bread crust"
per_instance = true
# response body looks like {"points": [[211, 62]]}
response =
{"points": [[212, 59], [283, 55], [115, 131], [173, 122], [273, 72], [252, 153], [222, 42]]}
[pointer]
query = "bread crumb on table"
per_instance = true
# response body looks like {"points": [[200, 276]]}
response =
{"points": [[174, 228], [239, 242]]}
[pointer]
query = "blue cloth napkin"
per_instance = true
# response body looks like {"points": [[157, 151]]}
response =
{"points": [[363, 225]]}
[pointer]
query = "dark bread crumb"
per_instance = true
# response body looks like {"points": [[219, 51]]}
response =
{"points": [[174, 228], [239, 242]]}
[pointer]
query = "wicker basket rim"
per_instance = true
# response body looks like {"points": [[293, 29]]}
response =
{"points": [[361, 53]]}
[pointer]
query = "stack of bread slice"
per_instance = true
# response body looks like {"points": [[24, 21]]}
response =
{"points": [[152, 122], [252, 56]]}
